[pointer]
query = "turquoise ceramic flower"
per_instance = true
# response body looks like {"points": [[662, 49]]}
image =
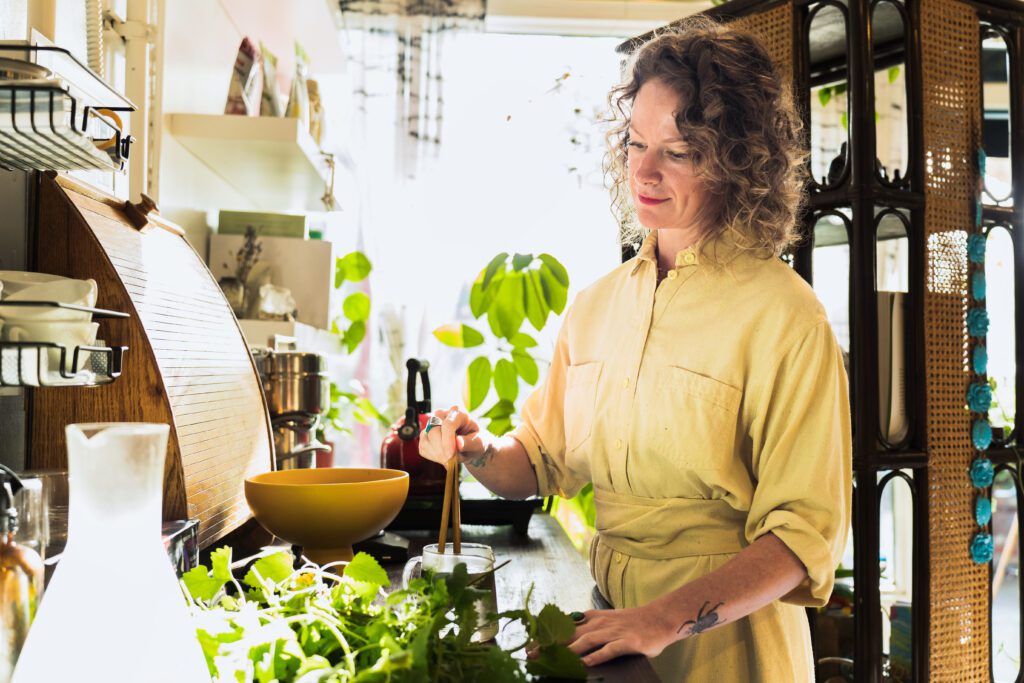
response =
{"points": [[977, 322], [982, 162], [981, 548], [976, 246], [977, 213], [980, 359], [979, 397], [983, 510], [982, 473], [978, 285], [981, 433]]}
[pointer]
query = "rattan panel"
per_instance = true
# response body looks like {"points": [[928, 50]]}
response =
{"points": [[959, 634], [775, 29]]}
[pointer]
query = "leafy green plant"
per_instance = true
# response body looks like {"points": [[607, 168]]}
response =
{"points": [[509, 291], [353, 267], [346, 406], [312, 626]]}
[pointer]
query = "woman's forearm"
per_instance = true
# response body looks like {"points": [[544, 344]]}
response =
{"points": [[502, 466], [761, 573]]}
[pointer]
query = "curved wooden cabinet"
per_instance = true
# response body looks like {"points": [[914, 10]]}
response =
{"points": [[187, 363]]}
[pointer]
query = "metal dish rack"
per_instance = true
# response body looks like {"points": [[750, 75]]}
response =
{"points": [[66, 121], [31, 364]]}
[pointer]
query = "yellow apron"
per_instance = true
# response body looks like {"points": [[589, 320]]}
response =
{"points": [[643, 562]]}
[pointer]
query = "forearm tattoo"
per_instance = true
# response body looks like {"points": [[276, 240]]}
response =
{"points": [[482, 459], [706, 619]]}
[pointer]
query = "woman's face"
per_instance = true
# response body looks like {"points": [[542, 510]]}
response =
{"points": [[665, 188]]}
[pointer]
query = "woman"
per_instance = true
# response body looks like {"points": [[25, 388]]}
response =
{"points": [[699, 386]]}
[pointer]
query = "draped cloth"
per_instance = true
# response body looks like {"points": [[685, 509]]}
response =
{"points": [[394, 52]]}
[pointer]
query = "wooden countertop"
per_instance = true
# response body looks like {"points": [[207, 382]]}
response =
{"points": [[546, 559]]}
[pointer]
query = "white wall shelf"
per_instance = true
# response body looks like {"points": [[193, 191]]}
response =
{"points": [[271, 161]]}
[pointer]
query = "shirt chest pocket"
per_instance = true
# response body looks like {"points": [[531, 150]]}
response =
{"points": [[580, 402], [698, 419]]}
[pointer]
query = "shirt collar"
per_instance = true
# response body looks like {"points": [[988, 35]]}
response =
{"points": [[720, 246]]}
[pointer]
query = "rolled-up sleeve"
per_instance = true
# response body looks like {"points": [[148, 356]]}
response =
{"points": [[802, 460], [542, 431]]}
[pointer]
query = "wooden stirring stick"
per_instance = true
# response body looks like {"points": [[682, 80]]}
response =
{"points": [[442, 537], [457, 511]]}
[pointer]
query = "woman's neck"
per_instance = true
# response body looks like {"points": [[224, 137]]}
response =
{"points": [[671, 241]]}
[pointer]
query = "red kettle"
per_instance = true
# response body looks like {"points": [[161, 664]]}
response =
{"points": [[401, 447]]}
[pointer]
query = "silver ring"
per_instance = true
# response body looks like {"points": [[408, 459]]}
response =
{"points": [[434, 421]]}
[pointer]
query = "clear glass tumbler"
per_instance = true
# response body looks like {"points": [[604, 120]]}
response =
{"points": [[479, 561]]}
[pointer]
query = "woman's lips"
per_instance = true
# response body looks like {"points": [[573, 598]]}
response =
{"points": [[650, 201]]}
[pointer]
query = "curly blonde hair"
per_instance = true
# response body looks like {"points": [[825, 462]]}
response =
{"points": [[739, 123]]}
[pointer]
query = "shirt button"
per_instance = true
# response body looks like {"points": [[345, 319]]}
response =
{"points": [[618, 443], [618, 556], [689, 258], [672, 275]]}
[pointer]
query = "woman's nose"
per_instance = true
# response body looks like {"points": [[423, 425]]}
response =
{"points": [[647, 170]]}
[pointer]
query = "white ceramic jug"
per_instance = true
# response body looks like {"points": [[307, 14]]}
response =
{"points": [[114, 611]]}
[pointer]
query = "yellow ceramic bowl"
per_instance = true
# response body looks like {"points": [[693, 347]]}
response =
{"points": [[326, 510]]}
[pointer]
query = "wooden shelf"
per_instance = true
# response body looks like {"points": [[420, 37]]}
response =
{"points": [[271, 161]]}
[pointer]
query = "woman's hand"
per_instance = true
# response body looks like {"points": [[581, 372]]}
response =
{"points": [[610, 633], [458, 435]]}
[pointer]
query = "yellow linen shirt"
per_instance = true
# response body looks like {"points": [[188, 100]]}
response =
{"points": [[707, 410]]}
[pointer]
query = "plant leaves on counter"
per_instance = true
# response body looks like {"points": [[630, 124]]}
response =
{"points": [[310, 626]]}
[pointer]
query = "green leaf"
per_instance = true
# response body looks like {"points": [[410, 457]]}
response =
{"points": [[894, 73], [843, 118], [520, 261], [204, 585], [523, 341], [501, 409], [824, 95], [492, 268], [339, 273], [355, 267], [506, 380], [535, 281], [557, 661], [554, 626], [274, 568], [526, 366], [354, 334], [479, 381], [499, 426], [554, 293], [334, 327], [366, 569], [508, 311], [557, 269], [356, 307], [480, 299], [369, 412], [458, 335], [536, 307]]}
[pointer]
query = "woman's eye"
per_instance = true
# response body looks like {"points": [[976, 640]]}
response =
{"points": [[680, 155], [635, 145]]}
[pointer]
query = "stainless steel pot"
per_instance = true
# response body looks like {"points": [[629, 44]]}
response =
{"points": [[295, 382]]}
